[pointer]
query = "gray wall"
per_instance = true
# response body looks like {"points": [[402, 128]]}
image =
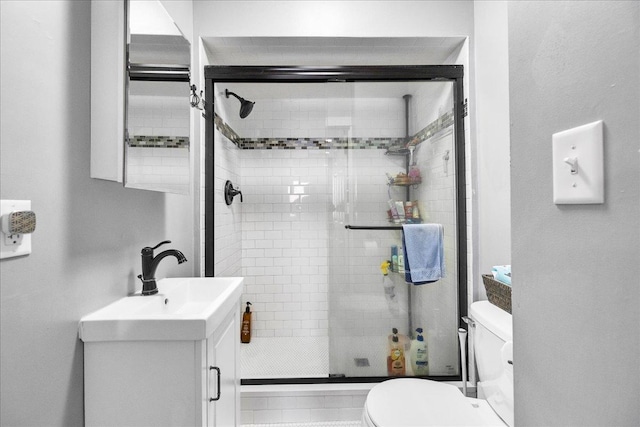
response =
{"points": [[86, 249], [491, 186], [576, 268]]}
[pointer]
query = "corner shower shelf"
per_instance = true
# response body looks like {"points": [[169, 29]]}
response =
{"points": [[406, 184]]}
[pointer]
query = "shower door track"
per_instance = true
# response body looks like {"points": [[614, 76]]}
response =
{"points": [[324, 74]]}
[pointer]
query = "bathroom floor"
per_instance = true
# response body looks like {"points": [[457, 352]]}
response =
{"points": [[321, 424], [285, 357]]}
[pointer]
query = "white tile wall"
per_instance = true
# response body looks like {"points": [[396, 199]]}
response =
{"points": [[286, 214], [430, 102], [163, 168], [227, 246], [303, 404], [323, 118], [158, 115], [288, 237]]}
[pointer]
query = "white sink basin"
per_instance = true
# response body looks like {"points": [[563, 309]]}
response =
{"points": [[183, 309]]}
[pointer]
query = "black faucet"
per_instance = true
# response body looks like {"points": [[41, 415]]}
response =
{"points": [[150, 263]]}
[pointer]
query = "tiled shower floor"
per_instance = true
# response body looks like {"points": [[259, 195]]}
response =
{"points": [[285, 357]]}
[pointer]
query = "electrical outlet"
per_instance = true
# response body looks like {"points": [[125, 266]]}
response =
{"points": [[15, 244], [13, 239]]}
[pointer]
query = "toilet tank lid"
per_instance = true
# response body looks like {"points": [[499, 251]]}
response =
{"points": [[493, 318]]}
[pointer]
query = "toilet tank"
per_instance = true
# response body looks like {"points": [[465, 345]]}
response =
{"points": [[493, 350]]}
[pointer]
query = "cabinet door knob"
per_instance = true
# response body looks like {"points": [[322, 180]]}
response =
{"points": [[213, 399]]}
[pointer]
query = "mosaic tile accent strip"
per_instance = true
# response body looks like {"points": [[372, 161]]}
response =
{"points": [[225, 129], [443, 122], [318, 143], [430, 130], [151, 141]]}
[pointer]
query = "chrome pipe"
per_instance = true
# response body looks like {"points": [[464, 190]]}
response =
{"points": [[462, 336]]}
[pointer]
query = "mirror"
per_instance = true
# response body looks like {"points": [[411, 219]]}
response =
{"points": [[157, 124]]}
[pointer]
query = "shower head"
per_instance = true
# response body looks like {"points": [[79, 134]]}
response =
{"points": [[245, 106]]}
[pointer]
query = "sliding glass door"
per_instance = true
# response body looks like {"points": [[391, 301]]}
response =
{"points": [[330, 170]]}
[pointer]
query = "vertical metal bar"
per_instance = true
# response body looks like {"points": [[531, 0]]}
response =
{"points": [[209, 220], [461, 196], [407, 98]]}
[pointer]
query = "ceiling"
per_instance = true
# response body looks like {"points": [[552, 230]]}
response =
{"points": [[319, 51]]}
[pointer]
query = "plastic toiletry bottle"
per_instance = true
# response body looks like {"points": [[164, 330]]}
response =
{"points": [[387, 284], [400, 210], [394, 333], [419, 355], [395, 360], [394, 252], [400, 260], [416, 211], [394, 211], [245, 332]]}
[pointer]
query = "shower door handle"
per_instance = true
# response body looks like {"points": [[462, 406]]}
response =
{"points": [[213, 399]]}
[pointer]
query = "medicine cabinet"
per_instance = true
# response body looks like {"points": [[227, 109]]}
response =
{"points": [[140, 112]]}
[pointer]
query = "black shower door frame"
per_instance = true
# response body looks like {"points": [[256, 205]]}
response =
{"points": [[302, 74]]}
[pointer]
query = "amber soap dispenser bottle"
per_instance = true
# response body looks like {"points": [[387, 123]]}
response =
{"points": [[245, 332]]}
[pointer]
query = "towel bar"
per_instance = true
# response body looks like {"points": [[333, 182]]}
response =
{"points": [[373, 227]]}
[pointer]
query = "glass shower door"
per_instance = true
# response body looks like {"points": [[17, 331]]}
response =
{"points": [[397, 157], [318, 164]]}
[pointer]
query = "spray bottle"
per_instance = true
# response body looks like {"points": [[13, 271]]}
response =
{"points": [[389, 287]]}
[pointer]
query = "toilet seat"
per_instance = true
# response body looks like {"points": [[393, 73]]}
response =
{"points": [[410, 402]]}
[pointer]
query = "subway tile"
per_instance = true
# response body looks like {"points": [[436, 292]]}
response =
{"points": [[323, 414], [246, 416], [254, 403], [296, 415], [343, 401], [267, 416], [280, 402]]}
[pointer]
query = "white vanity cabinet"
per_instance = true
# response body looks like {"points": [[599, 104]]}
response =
{"points": [[165, 382], [223, 366]]}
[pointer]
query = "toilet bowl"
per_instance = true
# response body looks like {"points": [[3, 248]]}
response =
{"points": [[416, 402]]}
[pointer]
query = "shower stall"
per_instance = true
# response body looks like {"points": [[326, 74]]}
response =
{"points": [[327, 164]]}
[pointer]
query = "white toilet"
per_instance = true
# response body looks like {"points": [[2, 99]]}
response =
{"points": [[421, 403]]}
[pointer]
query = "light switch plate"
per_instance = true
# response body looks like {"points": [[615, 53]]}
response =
{"points": [[22, 245], [578, 165]]}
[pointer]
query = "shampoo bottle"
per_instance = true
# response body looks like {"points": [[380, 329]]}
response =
{"points": [[395, 360], [419, 355], [245, 332]]}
